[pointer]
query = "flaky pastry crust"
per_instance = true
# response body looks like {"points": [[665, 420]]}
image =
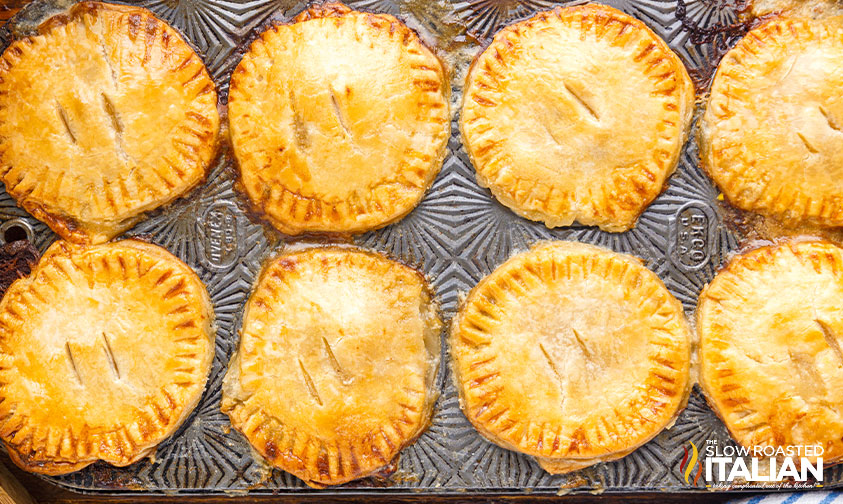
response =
{"points": [[770, 349], [772, 133], [344, 135], [335, 371], [104, 115], [572, 354], [104, 352], [576, 114]]}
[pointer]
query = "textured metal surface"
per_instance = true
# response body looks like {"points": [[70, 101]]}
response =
{"points": [[457, 235]]}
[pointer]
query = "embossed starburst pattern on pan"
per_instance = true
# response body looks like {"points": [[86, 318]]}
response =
{"points": [[341, 136], [105, 114], [576, 114], [335, 371], [771, 362], [572, 354], [772, 134], [104, 352]]}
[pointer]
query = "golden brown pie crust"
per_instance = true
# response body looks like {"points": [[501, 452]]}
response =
{"points": [[344, 135], [793, 8], [336, 365], [770, 351], [104, 352], [572, 354], [576, 114], [105, 114], [772, 134]]}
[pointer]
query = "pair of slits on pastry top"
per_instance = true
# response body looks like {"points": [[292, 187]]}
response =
{"points": [[335, 370], [105, 114], [770, 352], [106, 348], [353, 141], [577, 114], [769, 362], [572, 354], [389, 379], [383, 120], [104, 352], [772, 134], [412, 132], [573, 151], [771, 137]]}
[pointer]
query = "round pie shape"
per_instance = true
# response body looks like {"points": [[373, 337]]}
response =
{"points": [[572, 354], [576, 114], [335, 371], [772, 133], [341, 136], [104, 352], [770, 348], [105, 114]]}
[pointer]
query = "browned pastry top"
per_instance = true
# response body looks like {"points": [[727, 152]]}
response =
{"points": [[105, 114]]}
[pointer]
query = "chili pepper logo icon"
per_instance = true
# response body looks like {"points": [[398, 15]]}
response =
{"points": [[691, 459]]}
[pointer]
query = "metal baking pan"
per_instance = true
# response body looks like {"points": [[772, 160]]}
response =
{"points": [[457, 235]]}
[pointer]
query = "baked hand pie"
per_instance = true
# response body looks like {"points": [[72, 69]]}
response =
{"points": [[801, 8], [572, 354], [104, 352], [343, 135], [105, 114], [576, 114], [336, 365], [770, 348], [771, 135]]}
